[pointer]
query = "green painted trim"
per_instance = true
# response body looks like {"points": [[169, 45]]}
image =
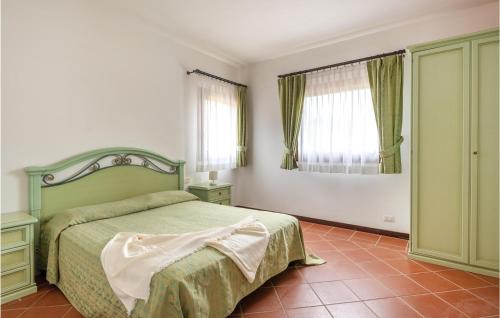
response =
{"points": [[33, 240], [466, 154], [464, 267], [35, 203], [180, 173], [453, 40]]}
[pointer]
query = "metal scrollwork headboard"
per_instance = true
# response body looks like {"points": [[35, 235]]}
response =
{"points": [[108, 161]]}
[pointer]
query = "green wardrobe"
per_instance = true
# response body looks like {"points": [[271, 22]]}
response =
{"points": [[455, 151]]}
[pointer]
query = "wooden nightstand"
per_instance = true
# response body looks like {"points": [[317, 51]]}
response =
{"points": [[219, 193], [17, 264]]}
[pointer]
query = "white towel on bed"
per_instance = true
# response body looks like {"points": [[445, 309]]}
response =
{"points": [[131, 259]]}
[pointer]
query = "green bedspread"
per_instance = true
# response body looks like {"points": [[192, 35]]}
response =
{"points": [[204, 284]]}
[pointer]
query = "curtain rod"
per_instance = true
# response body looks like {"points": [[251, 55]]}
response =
{"points": [[399, 52], [197, 71]]}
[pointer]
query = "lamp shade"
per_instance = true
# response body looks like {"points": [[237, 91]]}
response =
{"points": [[212, 176]]}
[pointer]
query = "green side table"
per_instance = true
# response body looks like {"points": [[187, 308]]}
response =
{"points": [[17, 264], [219, 193]]}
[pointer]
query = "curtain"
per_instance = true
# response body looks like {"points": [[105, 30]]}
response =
{"points": [[338, 132], [217, 125], [241, 155], [291, 94], [386, 83]]}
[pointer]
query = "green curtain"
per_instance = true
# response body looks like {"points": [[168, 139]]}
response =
{"points": [[291, 93], [386, 84], [241, 155]]}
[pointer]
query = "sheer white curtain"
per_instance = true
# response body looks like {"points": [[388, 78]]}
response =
{"points": [[217, 131], [338, 132]]}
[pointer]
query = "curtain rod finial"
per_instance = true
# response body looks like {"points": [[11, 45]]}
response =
{"points": [[198, 71]]}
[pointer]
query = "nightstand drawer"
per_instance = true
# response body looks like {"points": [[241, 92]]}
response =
{"points": [[223, 202], [15, 279], [15, 258], [218, 194], [14, 237]]}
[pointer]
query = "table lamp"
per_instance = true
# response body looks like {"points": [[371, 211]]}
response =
{"points": [[212, 176]]}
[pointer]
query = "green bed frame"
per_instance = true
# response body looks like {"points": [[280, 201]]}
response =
{"points": [[98, 176]]}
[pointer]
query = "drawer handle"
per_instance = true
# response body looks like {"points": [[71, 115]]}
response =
{"points": [[220, 193]]}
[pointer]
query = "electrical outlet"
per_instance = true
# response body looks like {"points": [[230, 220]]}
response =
{"points": [[187, 180], [389, 218]]}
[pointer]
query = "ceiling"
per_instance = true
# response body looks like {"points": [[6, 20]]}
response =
{"points": [[246, 31]]}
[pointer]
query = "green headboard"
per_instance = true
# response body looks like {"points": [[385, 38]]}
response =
{"points": [[99, 176]]}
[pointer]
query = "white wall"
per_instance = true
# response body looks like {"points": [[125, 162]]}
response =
{"points": [[354, 199], [79, 75]]}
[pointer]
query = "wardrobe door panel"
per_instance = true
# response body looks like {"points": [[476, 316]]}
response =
{"points": [[484, 156], [440, 152]]}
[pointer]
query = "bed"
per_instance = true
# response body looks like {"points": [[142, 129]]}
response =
{"points": [[204, 284]]}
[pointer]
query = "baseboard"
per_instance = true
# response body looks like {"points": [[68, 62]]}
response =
{"points": [[400, 235]]}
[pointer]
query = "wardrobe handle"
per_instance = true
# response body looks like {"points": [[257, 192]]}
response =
{"points": [[475, 153]]}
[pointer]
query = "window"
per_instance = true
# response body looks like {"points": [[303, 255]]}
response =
{"points": [[217, 130], [338, 132]]}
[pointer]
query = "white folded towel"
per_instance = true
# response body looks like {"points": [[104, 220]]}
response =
{"points": [[131, 259]]}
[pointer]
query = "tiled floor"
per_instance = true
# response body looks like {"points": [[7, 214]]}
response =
{"points": [[366, 275]]}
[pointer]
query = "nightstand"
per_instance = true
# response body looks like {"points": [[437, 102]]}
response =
{"points": [[17, 270], [219, 193]]}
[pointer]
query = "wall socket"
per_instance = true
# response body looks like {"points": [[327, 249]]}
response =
{"points": [[187, 180], [389, 218]]}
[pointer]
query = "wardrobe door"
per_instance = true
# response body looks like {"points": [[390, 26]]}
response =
{"points": [[440, 152], [484, 156]]}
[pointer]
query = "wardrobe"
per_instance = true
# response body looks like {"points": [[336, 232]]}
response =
{"points": [[455, 152]]}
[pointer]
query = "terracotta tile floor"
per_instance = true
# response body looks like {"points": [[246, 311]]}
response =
{"points": [[367, 275]]}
